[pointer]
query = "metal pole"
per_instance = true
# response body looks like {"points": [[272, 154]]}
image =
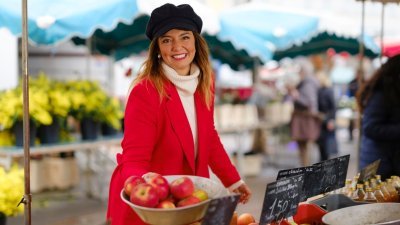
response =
{"points": [[361, 42], [360, 77], [26, 200], [382, 31], [88, 58]]}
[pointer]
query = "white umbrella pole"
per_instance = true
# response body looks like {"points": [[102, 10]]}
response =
{"points": [[361, 45], [360, 73], [27, 198], [382, 30]]}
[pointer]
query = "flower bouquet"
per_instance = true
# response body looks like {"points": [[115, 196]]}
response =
{"points": [[11, 190]]}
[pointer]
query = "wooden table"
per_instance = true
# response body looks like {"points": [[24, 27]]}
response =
{"points": [[98, 153], [7, 155]]}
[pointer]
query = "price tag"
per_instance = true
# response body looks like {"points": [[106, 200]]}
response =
{"points": [[311, 181], [281, 198], [306, 171], [369, 171], [291, 172], [343, 165], [220, 210], [321, 177], [332, 174]]}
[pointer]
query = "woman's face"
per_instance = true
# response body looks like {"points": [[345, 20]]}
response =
{"points": [[177, 50]]}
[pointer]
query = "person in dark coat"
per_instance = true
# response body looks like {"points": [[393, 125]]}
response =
{"points": [[326, 106], [379, 102], [352, 90]]}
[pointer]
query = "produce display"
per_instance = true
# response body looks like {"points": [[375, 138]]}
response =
{"points": [[171, 199], [156, 192], [168, 197]]}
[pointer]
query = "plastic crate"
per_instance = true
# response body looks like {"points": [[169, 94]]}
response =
{"points": [[335, 201], [309, 214]]}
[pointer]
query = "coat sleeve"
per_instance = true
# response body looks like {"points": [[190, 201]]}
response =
{"points": [[307, 96], [140, 132], [375, 124]]}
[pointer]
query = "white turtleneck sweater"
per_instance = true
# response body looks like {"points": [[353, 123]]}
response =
{"points": [[186, 86]]}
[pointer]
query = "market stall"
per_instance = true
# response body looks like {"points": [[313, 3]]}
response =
{"points": [[316, 194]]}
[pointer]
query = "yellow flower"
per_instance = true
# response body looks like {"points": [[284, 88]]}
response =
{"points": [[47, 100], [89, 100], [6, 138], [11, 190]]}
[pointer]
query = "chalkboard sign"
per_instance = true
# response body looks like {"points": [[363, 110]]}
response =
{"points": [[332, 174], [291, 172], [306, 171], [343, 164], [281, 199], [312, 181], [369, 171], [321, 177], [220, 210]]}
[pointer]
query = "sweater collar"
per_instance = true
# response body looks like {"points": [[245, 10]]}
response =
{"points": [[185, 84]]}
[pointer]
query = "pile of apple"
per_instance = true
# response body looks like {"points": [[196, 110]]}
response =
{"points": [[156, 192]]}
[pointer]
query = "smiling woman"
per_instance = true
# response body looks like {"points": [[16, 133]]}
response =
{"points": [[177, 50], [169, 124]]}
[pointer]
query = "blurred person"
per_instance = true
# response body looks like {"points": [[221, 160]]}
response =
{"points": [[327, 108], [305, 124], [352, 90], [379, 102], [169, 118]]}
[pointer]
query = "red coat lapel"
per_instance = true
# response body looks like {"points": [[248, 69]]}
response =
{"points": [[180, 124]]}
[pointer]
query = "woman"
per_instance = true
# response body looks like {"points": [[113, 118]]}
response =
{"points": [[169, 124], [305, 124], [379, 102]]}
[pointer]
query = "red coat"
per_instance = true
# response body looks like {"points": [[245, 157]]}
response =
{"points": [[158, 138]]}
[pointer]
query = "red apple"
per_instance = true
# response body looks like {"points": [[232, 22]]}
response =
{"points": [[182, 187], [131, 182], [191, 200], [166, 204], [144, 195], [160, 184], [171, 199], [200, 194], [245, 219], [150, 175]]}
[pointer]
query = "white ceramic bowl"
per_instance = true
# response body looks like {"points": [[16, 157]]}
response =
{"points": [[182, 215], [376, 213]]}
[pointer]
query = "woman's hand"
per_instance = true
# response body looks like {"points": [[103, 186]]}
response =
{"points": [[244, 192]]}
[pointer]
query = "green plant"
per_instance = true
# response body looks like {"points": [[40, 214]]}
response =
{"points": [[112, 113], [46, 102], [12, 107], [6, 138], [89, 100], [11, 190], [59, 103]]}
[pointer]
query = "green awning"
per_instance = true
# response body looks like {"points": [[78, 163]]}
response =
{"points": [[323, 41], [130, 39]]}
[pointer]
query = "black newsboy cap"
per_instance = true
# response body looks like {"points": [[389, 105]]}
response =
{"points": [[169, 16]]}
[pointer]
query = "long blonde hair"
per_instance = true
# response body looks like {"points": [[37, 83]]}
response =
{"points": [[151, 70]]}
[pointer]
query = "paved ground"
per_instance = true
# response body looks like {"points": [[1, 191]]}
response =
{"points": [[74, 208]]}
